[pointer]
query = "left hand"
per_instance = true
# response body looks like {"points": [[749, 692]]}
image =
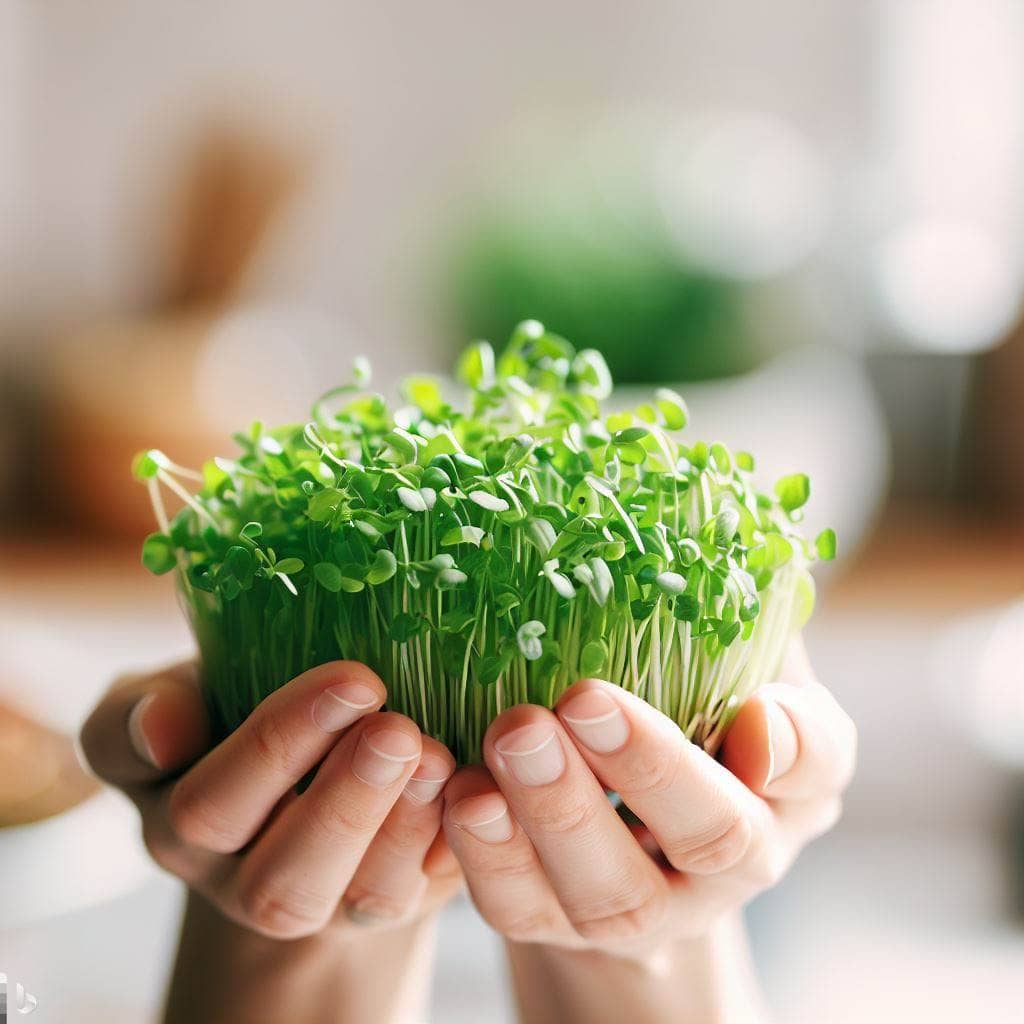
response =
{"points": [[549, 860], [360, 846]]}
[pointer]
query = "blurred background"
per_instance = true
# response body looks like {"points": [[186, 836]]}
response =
{"points": [[807, 216]]}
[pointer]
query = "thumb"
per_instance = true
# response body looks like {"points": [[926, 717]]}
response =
{"points": [[147, 727]]}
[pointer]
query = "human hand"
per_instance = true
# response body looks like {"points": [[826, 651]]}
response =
{"points": [[364, 836], [549, 860]]}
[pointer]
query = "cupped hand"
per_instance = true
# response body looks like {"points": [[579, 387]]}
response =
{"points": [[549, 860], [361, 845]]}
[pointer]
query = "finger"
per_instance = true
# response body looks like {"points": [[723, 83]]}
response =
{"points": [[390, 880], [440, 865], [704, 819], [443, 871], [222, 802], [502, 869], [198, 869], [792, 742], [290, 882], [146, 727], [608, 886]]}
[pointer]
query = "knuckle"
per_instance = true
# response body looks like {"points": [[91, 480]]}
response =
{"points": [[503, 867], [608, 921], [281, 914], [342, 817], [769, 856], [531, 925], [557, 816], [718, 848], [408, 837], [197, 821], [272, 745], [650, 772]]}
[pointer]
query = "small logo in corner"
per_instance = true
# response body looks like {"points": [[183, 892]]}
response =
{"points": [[14, 997]]}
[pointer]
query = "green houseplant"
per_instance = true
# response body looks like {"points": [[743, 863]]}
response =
{"points": [[488, 555]]}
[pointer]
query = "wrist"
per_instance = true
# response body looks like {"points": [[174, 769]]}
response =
{"points": [[652, 956], [346, 974], [707, 979]]}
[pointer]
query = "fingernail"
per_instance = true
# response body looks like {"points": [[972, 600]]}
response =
{"points": [[428, 780], [137, 733], [533, 754], [596, 721], [783, 745], [339, 706], [381, 757], [484, 817]]}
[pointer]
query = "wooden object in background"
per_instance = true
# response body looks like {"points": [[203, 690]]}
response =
{"points": [[39, 772], [992, 458], [128, 383]]}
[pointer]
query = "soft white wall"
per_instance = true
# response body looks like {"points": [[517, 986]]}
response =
{"points": [[403, 98], [13, 164]]}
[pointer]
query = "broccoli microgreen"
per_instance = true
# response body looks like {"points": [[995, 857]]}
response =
{"points": [[486, 555]]}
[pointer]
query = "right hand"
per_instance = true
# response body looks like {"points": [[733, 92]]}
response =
{"points": [[364, 836], [548, 860]]}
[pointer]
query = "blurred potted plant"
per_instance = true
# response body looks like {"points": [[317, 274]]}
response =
{"points": [[681, 254], [612, 279]]}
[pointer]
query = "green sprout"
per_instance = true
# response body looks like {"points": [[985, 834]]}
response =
{"points": [[482, 556]]}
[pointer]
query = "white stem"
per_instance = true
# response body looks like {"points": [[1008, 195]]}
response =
{"points": [[157, 501], [171, 484]]}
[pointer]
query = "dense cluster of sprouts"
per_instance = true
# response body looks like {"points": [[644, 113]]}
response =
{"points": [[484, 556]]}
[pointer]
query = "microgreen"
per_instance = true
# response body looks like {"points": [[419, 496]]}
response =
{"points": [[486, 554]]}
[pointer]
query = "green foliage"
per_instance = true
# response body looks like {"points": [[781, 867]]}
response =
{"points": [[147, 464], [825, 544], [158, 553], [793, 491], [599, 267], [490, 554]]}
